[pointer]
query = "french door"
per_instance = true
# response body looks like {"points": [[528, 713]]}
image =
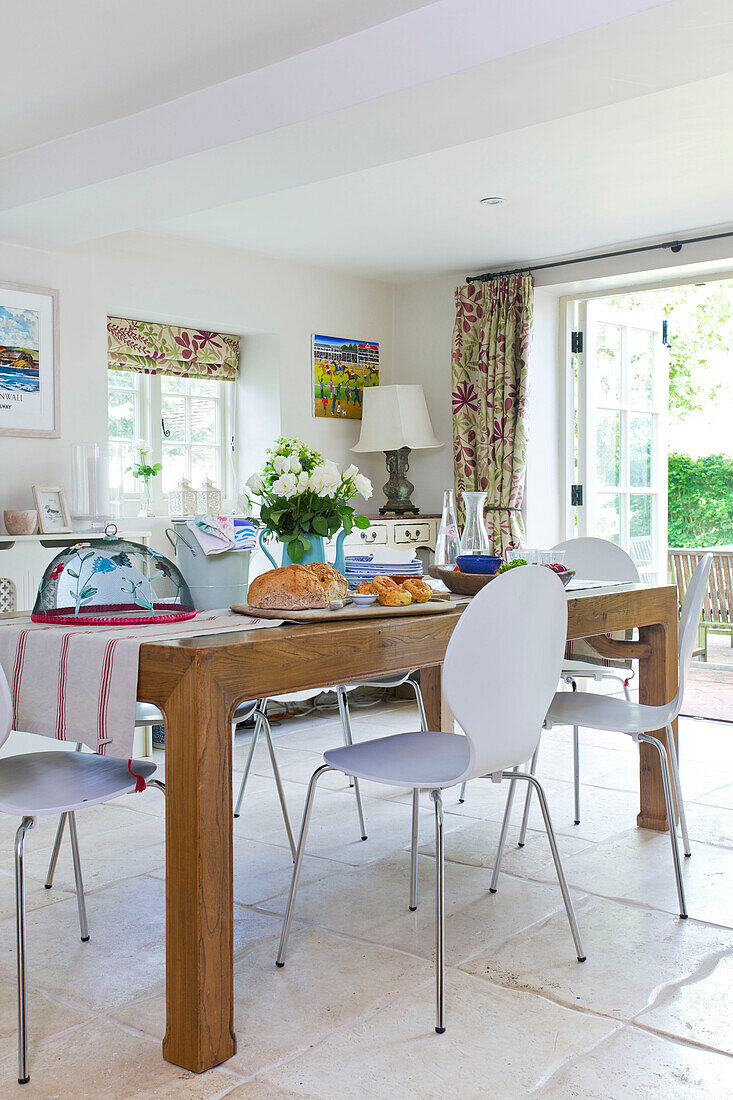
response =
{"points": [[622, 445]]}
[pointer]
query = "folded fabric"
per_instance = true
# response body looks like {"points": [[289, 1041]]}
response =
{"points": [[217, 534]]}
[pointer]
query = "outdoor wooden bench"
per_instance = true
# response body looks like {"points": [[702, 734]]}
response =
{"points": [[717, 612]]}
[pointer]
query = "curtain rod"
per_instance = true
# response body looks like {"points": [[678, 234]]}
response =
{"points": [[673, 246]]}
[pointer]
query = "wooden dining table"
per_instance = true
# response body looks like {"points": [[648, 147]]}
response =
{"points": [[198, 682]]}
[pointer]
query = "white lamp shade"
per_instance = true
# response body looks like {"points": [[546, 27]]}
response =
{"points": [[394, 417]]}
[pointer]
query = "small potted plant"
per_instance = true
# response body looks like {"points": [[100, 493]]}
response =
{"points": [[144, 472], [305, 499]]}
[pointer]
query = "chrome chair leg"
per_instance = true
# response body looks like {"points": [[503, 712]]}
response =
{"points": [[674, 772], [670, 818], [23, 1072], [414, 849], [576, 764], [307, 810], [439, 915], [79, 882], [528, 798], [158, 784], [278, 784], [343, 703], [576, 774], [503, 835], [55, 853], [250, 758], [462, 792], [420, 704], [569, 908]]}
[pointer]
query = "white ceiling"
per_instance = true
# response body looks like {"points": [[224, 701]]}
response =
{"points": [[654, 165], [600, 121], [78, 63]]}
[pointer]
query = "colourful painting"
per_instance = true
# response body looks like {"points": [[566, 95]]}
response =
{"points": [[19, 349], [342, 369], [29, 361]]}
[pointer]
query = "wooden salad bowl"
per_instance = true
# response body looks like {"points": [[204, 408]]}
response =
{"points": [[468, 584]]}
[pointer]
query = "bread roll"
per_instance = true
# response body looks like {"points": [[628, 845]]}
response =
{"points": [[418, 589], [394, 597], [297, 588]]}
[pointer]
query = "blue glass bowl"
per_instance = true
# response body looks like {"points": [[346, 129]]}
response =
{"points": [[478, 563]]}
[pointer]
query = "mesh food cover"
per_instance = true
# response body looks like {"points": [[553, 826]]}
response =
{"points": [[112, 582]]}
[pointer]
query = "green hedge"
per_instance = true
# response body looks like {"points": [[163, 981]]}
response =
{"points": [[700, 500]]}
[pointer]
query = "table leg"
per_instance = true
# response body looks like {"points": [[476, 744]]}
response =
{"points": [[437, 711], [657, 686], [199, 867]]}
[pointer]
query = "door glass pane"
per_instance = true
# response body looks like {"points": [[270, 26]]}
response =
{"points": [[640, 529], [641, 360], [174, 466], [608, 359], [608, 521], [608, 448], [203, 465], [640, 451], [203, 421], [173, 411]]}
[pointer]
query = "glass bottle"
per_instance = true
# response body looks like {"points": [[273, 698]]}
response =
{"points": [[448, 545], [475, 537]]}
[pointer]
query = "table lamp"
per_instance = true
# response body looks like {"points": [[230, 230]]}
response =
{"points": [[395, 420]]}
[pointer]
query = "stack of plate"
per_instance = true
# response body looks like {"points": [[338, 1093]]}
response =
{"points": [[364, 568]]}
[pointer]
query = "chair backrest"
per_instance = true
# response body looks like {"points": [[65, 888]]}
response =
{"points": [[689, 622], [6, 708], [502, 666], [598, 560]]}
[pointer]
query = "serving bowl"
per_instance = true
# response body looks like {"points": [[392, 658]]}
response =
{"points": [[478, 563]]}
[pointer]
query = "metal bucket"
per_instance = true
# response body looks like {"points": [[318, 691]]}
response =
{"points": [[218, 580]]}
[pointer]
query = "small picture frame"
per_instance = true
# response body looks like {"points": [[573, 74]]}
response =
{"points": [[53, 511]]}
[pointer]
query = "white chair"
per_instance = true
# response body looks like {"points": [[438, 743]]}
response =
{"points": [[597, 560], [40, 783], [146, 714], [618, 715], [499, 705]]}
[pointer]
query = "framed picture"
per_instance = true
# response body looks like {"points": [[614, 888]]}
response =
{"points": [[342, 368], [53, 511], [29, 361]]}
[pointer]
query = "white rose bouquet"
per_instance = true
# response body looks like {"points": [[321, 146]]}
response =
{"points": [[303, 494]]}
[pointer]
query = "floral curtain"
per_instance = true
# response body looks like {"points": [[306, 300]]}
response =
{"points": [[490, 349], [149, 348]]}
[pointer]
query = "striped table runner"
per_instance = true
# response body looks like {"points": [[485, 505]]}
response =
{"points": [[80, 683]]}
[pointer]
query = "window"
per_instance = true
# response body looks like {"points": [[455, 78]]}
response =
{"points": [[184, 420]]}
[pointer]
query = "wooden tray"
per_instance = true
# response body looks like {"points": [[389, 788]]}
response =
{"points": [[350, 611]]}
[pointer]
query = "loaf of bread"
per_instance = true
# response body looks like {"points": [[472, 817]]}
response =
{"points": [[297, 587]]}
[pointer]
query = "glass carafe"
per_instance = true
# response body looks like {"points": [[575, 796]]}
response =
{"points": [[448, 545], [475, 538]]}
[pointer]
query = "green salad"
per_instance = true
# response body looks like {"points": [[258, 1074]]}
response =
{"points": [[507, 565]]}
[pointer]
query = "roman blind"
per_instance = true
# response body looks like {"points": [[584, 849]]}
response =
{"points": [[147, 347]]}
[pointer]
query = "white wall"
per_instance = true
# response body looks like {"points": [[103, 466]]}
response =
{"points": [[160, 278]]}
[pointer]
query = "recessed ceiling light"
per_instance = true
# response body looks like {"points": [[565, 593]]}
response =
{"points": [[492, 200]]}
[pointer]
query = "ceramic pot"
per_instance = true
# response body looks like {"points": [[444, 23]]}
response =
{"points": [[20, 521]]}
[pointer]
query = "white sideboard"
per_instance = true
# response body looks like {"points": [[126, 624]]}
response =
{"points": [[398, 533], [23, 559]]}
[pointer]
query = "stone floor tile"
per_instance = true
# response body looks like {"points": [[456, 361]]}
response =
{"points": [[498, 1043], [650, 949], [636, 1065], [699, 1010]]}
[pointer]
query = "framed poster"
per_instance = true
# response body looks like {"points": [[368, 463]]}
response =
{"points": [[29, 361], [342, 368]]}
